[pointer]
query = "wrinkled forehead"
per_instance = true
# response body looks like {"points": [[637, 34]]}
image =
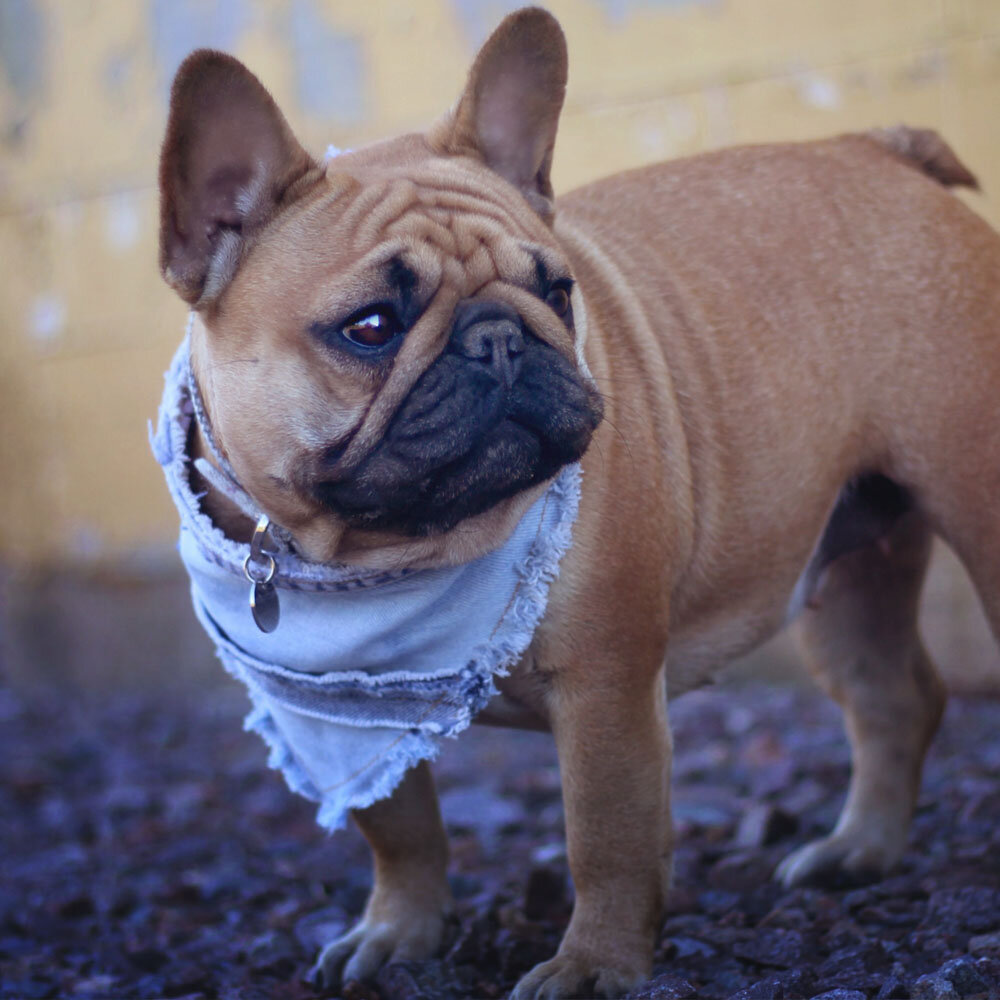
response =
{"points": [[441, 224]]}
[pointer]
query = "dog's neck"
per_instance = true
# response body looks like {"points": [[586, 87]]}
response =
{"points": [[228, 517], [225, 501]]}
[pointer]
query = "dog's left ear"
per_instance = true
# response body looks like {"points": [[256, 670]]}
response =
{"points": [[509, 112], [229, 164]]}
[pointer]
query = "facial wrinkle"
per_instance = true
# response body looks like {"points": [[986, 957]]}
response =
{"points": [[474, 204], [422, 226], [421, 347], [360, 208], [398, 198]]}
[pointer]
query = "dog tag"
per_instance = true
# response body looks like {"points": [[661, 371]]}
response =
{"points": [[259, 568], [264, 606]]}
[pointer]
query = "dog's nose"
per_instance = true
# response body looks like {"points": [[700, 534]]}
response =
{"points": [[490, 333], [498, 345]]}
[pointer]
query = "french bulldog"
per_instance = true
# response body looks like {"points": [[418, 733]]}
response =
{"points": [[780, 365]]}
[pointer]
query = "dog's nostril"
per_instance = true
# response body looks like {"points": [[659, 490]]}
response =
{"points": [[498, 345], [490, 340]]}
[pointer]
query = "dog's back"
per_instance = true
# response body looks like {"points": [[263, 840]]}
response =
{"points": [[824, 310]]}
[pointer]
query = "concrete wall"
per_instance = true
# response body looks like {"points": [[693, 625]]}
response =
{"points": [[86, 326]]}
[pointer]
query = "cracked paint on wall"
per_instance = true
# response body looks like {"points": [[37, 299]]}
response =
{"points": [[330, 73], [819, 90], [122, 221], [479, 17], [47, 318], [179, 26], [22, 47], [618, 11], [117, 75]]}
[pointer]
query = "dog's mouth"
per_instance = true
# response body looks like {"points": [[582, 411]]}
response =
{"points": [[464, 440]]}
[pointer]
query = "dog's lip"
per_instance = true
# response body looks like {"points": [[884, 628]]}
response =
{"points": [[335, 476], [329, 461], [511, 418], [333, 453], [426, 482]]}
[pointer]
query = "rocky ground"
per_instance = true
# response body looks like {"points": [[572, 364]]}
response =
{"points": [[146, 851]]}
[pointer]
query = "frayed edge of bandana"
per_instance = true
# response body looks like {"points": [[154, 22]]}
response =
{"points": [[536, 573], [333, 810]]}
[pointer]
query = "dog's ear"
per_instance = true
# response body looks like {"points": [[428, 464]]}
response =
{"points": [[509, 111], [229, 163]]}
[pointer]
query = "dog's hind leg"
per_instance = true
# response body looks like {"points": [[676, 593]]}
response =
{"points": [[861, 644], [405, 914]]}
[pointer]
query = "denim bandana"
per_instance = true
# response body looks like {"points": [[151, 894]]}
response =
{"points": [[367, 670]]}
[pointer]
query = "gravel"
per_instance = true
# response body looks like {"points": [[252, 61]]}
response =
{"points": [[148, 852]]}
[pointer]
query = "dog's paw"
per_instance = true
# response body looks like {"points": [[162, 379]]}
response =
{"points": [[840, 856], [361, 952], [576, 975]]}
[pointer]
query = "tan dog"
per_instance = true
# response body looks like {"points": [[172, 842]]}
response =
{"points": [[798, 350]]}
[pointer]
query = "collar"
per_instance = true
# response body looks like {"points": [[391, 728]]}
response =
{"points": [[367, 670]]}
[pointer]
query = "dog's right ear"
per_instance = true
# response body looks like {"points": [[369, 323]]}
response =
{"points": [[509, 113], [229, 163]]}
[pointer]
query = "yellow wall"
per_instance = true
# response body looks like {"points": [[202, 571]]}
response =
{"points": [[86, 326]]}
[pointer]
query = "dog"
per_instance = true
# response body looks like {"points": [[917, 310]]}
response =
{"points": [[778, 366]]}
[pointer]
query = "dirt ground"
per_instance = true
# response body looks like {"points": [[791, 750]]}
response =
{"points": [[147, 851]]}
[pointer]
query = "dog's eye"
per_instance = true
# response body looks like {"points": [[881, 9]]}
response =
{"points": [[374, 328], [558, 298]]}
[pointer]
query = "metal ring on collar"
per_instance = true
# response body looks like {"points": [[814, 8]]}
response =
{"points": [[258, 555], [268, 573]]}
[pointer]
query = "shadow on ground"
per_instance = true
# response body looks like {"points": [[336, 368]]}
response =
{"points": [[147, 850]]}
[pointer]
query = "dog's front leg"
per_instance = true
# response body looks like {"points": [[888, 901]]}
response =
{"points": [[405, 914], [614, 755]]}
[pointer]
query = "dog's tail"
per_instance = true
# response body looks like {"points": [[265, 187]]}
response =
{"points": [[927, 151]]}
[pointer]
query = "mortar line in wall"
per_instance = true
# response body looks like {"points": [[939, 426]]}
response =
{"points": [[71, 354], [39, 208], [728, 78], [737, 79]]}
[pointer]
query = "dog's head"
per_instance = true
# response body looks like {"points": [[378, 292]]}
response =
{"points": [[386, 343]]}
